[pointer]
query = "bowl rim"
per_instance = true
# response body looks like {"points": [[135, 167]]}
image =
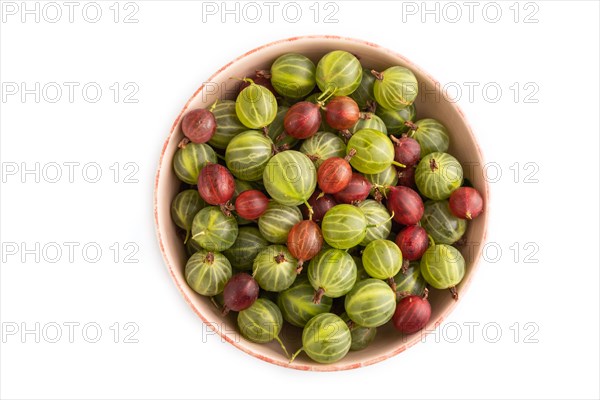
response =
{"points": [[321, 367]]}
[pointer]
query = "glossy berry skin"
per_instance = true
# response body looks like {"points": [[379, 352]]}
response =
{"points": [[251, 204], [342, 112], [357, 190], [199, 125], [302, 120], [240, 292], [466, 203], [407, 151], [320, 206], [305, 241], [215, 184], [412, 314], [406, 204], [413, 242], [334, 175]]}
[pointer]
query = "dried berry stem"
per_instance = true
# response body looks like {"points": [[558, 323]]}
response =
{"points": [[346, 134], [371, 106], [425, 293], [210, 257], [411, 125], [300, 266], [454, 292], [279, 258], [263, 73], [392, 283], [405, 265], [377, 75], [318, 296], [365, 115], [183, 143], [350, 154], [226, 208]]}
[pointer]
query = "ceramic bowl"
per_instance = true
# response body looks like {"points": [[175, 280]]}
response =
{"points": [[431, 102]]}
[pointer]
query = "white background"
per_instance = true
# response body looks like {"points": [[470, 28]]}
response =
{"points": [[168, 54]]}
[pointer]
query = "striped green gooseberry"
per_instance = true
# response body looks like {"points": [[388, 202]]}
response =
{"points": [[293, 75], [370, 303], [338, 73], [290, 178], [443, 267], [277, 221], [395, 88], [207, 272], [255, 106], [374, 151], [326, 339], [331, 273], [438, 175], [296, 302], [213, 230], [441, 225], [189, 160], [274, 268], [247, 155], [184, 208], [261, 322]]}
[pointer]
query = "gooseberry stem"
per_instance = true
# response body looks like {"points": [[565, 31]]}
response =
{"points": [[397, 164], [310, 209], [263, 73], [411, 126], [326, 95], [300, 350], [392, 283], [282, 346], [394, 139], [318, 295], [382, 222], [371, 106], [183, 143], [377, 75], [300, 266], [226, 209], [187, 236], [346, 134], [350, 154], [198, 234], [212, 300], [425, 293], [454, 292], [431, 241], [213, 105], [405, 265]]}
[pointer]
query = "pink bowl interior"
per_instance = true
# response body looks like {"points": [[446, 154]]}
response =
{"points": [[430, 103]]}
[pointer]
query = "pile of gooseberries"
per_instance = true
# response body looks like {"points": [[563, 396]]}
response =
{"points": [[318, 182]]}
